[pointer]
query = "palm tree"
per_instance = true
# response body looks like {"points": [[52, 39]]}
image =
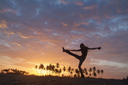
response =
{"points": [[56, 71], [85, 70], [94, 73], [75, 76], [102, 73], [57, 65], [52, 68], [72, 71], [41, 67], [98, 71], [77, 72], [64, 69], [47, 68], [36, 68], [94, 68], [69, 69], [59, 71], [90, 70]]}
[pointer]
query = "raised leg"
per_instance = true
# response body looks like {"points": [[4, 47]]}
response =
{"points": [[70, 53], [63, 49]]}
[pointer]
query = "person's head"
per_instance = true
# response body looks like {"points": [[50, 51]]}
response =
{"points": [[82, 45]]}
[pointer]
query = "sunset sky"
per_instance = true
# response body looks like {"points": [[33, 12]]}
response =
{"points": [[34, 32]]}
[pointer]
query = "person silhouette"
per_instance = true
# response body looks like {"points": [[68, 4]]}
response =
{"points": [[84, 50]]}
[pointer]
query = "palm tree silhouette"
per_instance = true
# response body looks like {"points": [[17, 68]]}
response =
{"points": [[59, 71], [75, 76], [57, 65], [36, 68], [90, 70], [102, 73], [64, 69], [56, 71], [72, 70], [94, 73], [41, 67], [85, 70], [47, 68], [69, 69], [50, 68], [53, 69], [94, 68], [98, 71], [77, 72]]}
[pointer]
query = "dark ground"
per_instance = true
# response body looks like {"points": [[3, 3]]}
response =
{"points": [[12, 79]]}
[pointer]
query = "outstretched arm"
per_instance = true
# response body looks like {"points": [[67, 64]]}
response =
{"points": [[95, 48]]}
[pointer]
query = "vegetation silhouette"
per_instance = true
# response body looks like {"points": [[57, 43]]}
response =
{"points": [[14, 71], [55, 70], [84, 50]]}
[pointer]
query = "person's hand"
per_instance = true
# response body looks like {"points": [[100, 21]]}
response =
{"points": [[99, 48]]}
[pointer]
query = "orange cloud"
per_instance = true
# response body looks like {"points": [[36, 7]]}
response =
{"points": [[64, 24], [64, 1], [22, 36], [9, 10], [79, 3], [8, 32], [107, 16], [90, 7], [16, 43], [3, 24], [35, 32]]}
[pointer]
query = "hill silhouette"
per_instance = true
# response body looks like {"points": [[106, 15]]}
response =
{"points": [[12, 79]]}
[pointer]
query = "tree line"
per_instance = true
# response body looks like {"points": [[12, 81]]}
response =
{"points": [[55, 70], [14, 71]]}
